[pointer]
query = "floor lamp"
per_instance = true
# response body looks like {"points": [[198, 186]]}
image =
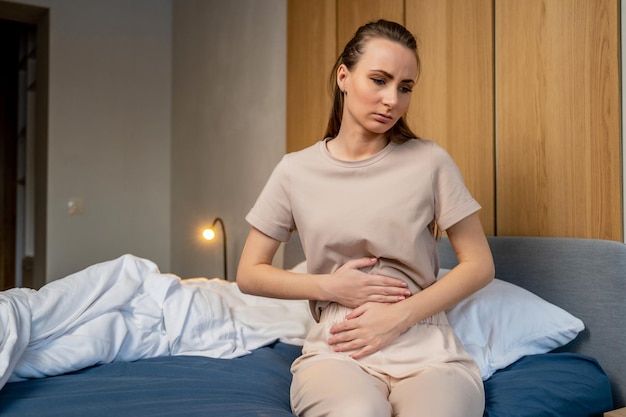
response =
{"points": [[209, 234]]}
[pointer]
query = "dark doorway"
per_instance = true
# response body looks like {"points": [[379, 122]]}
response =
{"points": [[9, 49], [23, 144]]}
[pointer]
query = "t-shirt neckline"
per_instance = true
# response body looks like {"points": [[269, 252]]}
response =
{"points": [[355, 164]]}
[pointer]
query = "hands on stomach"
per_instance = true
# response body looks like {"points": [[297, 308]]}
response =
{"points": [[373, 323]]}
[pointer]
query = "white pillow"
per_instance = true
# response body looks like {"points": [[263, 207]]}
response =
{"points": [[503, 322]]}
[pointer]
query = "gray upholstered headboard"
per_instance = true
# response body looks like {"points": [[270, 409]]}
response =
{"points": [[583, 276]]}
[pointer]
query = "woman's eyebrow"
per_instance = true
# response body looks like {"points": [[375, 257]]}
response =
{"points": [[391, 77]]}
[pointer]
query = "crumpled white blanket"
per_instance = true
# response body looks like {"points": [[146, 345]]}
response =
{"points": [[125, 309]]}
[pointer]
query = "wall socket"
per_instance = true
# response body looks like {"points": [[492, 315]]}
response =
{"points": [[75, 205]]}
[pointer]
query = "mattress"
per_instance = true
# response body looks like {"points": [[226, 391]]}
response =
{"points": [[552, 384]]}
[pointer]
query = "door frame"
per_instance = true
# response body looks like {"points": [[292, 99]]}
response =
{"points": [[40, 18]]}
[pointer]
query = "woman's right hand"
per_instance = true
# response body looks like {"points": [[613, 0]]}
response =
{"points": [[352, 287]]}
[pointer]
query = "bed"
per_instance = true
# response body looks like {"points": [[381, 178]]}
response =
{"points": [[563, 298]]}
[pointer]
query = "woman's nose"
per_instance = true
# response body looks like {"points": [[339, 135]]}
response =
{"points": [[390, 99]]}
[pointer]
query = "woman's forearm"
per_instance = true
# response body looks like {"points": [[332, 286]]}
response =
{"points": [[269, 281], [348, 285], [256, 274], [474, 271], [456, 285]]}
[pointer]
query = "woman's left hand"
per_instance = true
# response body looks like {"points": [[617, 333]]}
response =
{"points": [[366, 329]]}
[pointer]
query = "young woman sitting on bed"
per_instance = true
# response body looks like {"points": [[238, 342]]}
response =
{"points": [[366, 202]]}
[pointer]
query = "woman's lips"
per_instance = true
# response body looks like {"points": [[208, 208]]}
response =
{"points": [[382, 118]]}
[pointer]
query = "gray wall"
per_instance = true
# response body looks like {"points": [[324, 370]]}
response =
{"points": [[229, 89], [109, 131], [163, 114]]}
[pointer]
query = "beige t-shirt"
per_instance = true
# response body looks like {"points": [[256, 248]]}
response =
{"points": [[381, 206]]}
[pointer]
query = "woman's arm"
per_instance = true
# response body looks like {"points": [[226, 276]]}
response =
{"points": [[348, 285], [474, 270], [370, 327]]}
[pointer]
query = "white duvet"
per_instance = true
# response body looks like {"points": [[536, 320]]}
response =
{"points": [[125, 309]]}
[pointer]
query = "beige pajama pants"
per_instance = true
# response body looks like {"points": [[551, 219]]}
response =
{"points": [[426, 372]]}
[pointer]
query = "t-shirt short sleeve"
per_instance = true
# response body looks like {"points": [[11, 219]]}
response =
{"points": [[272, 212], [453, 201]]}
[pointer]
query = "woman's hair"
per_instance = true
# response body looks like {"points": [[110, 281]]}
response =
{"points": [[351, 55]]}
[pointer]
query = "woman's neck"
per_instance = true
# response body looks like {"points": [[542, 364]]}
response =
{"points": [[355, 148]]}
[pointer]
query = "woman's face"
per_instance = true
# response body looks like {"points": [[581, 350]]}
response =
{"points": [[378, 89]]}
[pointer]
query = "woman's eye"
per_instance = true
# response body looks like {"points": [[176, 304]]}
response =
{"points": [[405, 89], [378, 81]]}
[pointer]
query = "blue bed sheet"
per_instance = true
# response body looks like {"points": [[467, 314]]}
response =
{"points": [[258, 385], [181, 386], [549, 385]]}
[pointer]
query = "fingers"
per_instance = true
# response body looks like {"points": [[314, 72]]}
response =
{"points": [[342, 327], [362, 353], [352, 287], [387, 289], [347, 336], [347, 324], [360, 263], [389, 281], [376, 279], [344, 342]]}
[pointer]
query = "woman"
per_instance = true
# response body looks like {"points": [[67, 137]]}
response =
{"points": [[367, 201]]}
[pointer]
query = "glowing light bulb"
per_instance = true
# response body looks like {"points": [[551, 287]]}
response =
{"points": [[208, 234]]}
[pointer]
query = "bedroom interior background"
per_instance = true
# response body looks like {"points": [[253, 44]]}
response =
{"points": [[163, 115], [158, 149]]}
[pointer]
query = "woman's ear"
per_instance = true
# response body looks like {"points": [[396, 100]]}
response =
{"points": [[342, 77]]}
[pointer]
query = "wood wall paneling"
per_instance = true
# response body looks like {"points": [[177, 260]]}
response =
{"points": [[311, 53], [453, 101], [558, 127], [351, 14], [524, 95]]}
